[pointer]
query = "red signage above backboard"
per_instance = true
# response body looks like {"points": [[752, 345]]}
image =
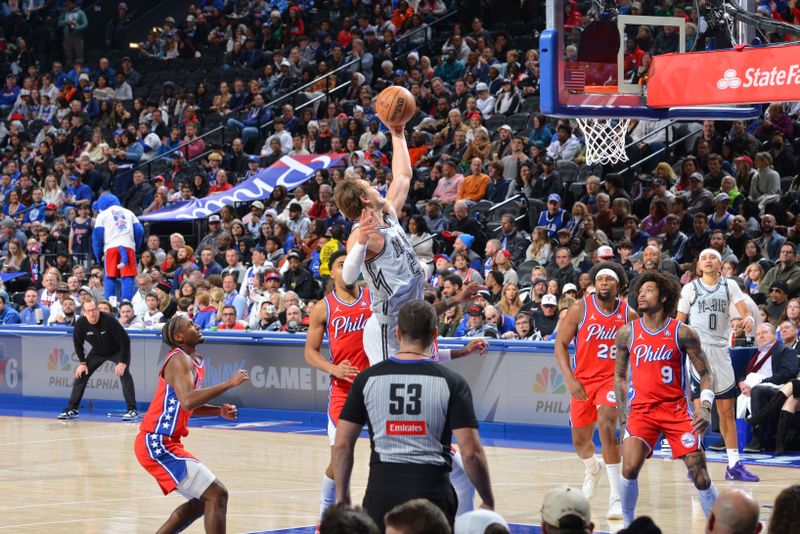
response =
{"points": [[743, 75]]}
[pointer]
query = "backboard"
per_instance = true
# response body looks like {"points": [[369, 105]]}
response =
{"points": [[594, 71]]}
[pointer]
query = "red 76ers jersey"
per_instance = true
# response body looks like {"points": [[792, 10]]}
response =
{"points": [[345, 330], [656, 364], [595, 348]]}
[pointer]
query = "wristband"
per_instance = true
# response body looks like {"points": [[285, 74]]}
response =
{"points": [[707, 395]]}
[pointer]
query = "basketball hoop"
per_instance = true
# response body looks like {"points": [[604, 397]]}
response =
{"points": [[605, 139]]}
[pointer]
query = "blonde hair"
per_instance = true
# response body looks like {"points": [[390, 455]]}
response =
{"points": [[348, 197], [513, 307], [217, 295]]}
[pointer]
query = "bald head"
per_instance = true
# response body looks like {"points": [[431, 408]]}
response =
{"points": [[734, 512]]}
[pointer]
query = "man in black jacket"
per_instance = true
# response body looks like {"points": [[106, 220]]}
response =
{"points": [[513, 240], [783, 364], [139, 195], [109, 342], [298, 278]]}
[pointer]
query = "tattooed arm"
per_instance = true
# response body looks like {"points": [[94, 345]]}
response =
{"points": [[621, 373], [693, 348]]}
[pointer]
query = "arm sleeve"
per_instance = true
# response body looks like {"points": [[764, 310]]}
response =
{"points": [[78, 335], [353, 263], [97, 242], [354, 409], [460, 412]]}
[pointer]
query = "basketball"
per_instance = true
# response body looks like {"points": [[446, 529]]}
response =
{"points": [[395, 105]]}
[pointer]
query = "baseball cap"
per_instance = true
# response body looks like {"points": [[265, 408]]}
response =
{"points": [[480, 86], [51, 206], [554, 197], [569, 287], [62, 287], [506, 127], [547, 160], [746, 159], [538, 144], [257, 204], [293, 254], [255, 159], [476, 521], [722, 197], [273, 276], [696, 176], [376, 154], [564, 501], [165, 287], [781, 285], [605, 252], [294, 206], [549, 300], [213, 219], [440, 257], [539, 280], [475, 311], [484, 293], [659, 182], [85, 289]]}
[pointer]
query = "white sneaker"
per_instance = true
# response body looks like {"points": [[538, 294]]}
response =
{"points": [[591, 479], [614, 509]]}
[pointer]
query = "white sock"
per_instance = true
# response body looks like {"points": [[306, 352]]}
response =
{"points": [[733, 456], [707, 498], [629, 493], [591, 463], [328, 494], [613, 473]]}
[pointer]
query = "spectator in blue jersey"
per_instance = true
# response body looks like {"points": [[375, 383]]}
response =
{"points": [[232, 296], [8, 96], [33, 312], [8, 315], [35, 211], [554, 218], [76, 192]]}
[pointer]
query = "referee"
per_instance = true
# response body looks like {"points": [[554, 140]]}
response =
{"points": [[412, 406], [109, 342]]}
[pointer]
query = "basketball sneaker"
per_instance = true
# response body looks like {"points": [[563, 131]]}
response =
{"points": [[740, 472], [591, 479], [130, 415], [614, 509], [69, 414], [665, 446]]}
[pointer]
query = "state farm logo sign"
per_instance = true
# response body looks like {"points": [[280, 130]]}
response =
{"points": [[755, 77], [729, 80]]}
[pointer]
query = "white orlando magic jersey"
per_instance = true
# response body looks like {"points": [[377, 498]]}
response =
{"points": [[708, 309], [394, 275]]}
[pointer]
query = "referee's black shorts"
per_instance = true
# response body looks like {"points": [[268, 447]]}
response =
{"points": [[393, 484]]}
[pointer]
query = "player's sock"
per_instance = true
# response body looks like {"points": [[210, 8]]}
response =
{"points": [[733, 456], [629, 493], [613, 473], [328, 494], [591, 463], [707, 498]]}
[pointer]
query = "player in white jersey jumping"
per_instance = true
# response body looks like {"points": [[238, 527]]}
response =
{"points": [[706, 302]]}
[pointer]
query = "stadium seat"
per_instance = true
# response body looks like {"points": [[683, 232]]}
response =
{"points": [[568, 171], [496, 121], [530, 105], [518, 121]]}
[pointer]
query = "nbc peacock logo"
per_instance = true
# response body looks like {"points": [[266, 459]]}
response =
{"points": [[58, 361], [549, 381]]}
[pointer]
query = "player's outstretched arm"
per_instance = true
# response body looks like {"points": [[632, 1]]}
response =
{"points": [[401, 170], [346, 435], [475, 463], [691, 345], [178, 374], [621, 373], [316, 330], [465, 295], [566, 333]]}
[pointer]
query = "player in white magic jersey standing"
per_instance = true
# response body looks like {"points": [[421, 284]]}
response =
{"points": [[706, 302]]}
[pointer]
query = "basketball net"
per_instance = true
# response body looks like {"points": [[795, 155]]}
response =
{"points": [[605, 139]]}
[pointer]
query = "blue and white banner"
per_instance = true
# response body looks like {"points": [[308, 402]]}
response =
{"points": [[289, 171]]}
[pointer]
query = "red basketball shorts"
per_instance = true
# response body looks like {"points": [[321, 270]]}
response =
{"points": [[599, 393], [648, 421], [113, 259], [164, 458]]}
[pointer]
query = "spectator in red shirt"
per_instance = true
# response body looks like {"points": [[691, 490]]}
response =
{"points": [[229, 321], [222, 183]]}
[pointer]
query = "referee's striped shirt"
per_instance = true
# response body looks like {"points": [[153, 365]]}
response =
{"points": [[411, 408]]}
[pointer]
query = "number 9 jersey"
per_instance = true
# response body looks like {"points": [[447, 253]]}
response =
{"points": [[656, 364]]}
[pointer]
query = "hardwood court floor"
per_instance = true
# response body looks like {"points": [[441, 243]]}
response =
{"points": [[82, 477]]}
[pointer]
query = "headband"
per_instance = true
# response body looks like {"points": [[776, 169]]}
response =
{"points": [[711, 251], [607, 272]]}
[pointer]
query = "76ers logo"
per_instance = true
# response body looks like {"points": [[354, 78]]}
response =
{"points": [[688, 440], [119, 220]]}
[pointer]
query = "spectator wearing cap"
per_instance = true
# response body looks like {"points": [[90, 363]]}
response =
{"points": [[485, 101], [76, 192], [214, 231], [56, 308], [477, 325], [721, 218], [545, 319], [554, 218], [8, 315], [565, 146], [786, 270], [297, 278], [503, 146], [298, 223], [259, 265], [566, 509], [473, 187], [701, 200]]}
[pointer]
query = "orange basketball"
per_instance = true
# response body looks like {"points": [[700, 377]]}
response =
{"points": [[395, 106]]}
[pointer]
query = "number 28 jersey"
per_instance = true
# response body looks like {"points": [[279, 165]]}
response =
{"points": [[595, 349], [656, 364]]}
